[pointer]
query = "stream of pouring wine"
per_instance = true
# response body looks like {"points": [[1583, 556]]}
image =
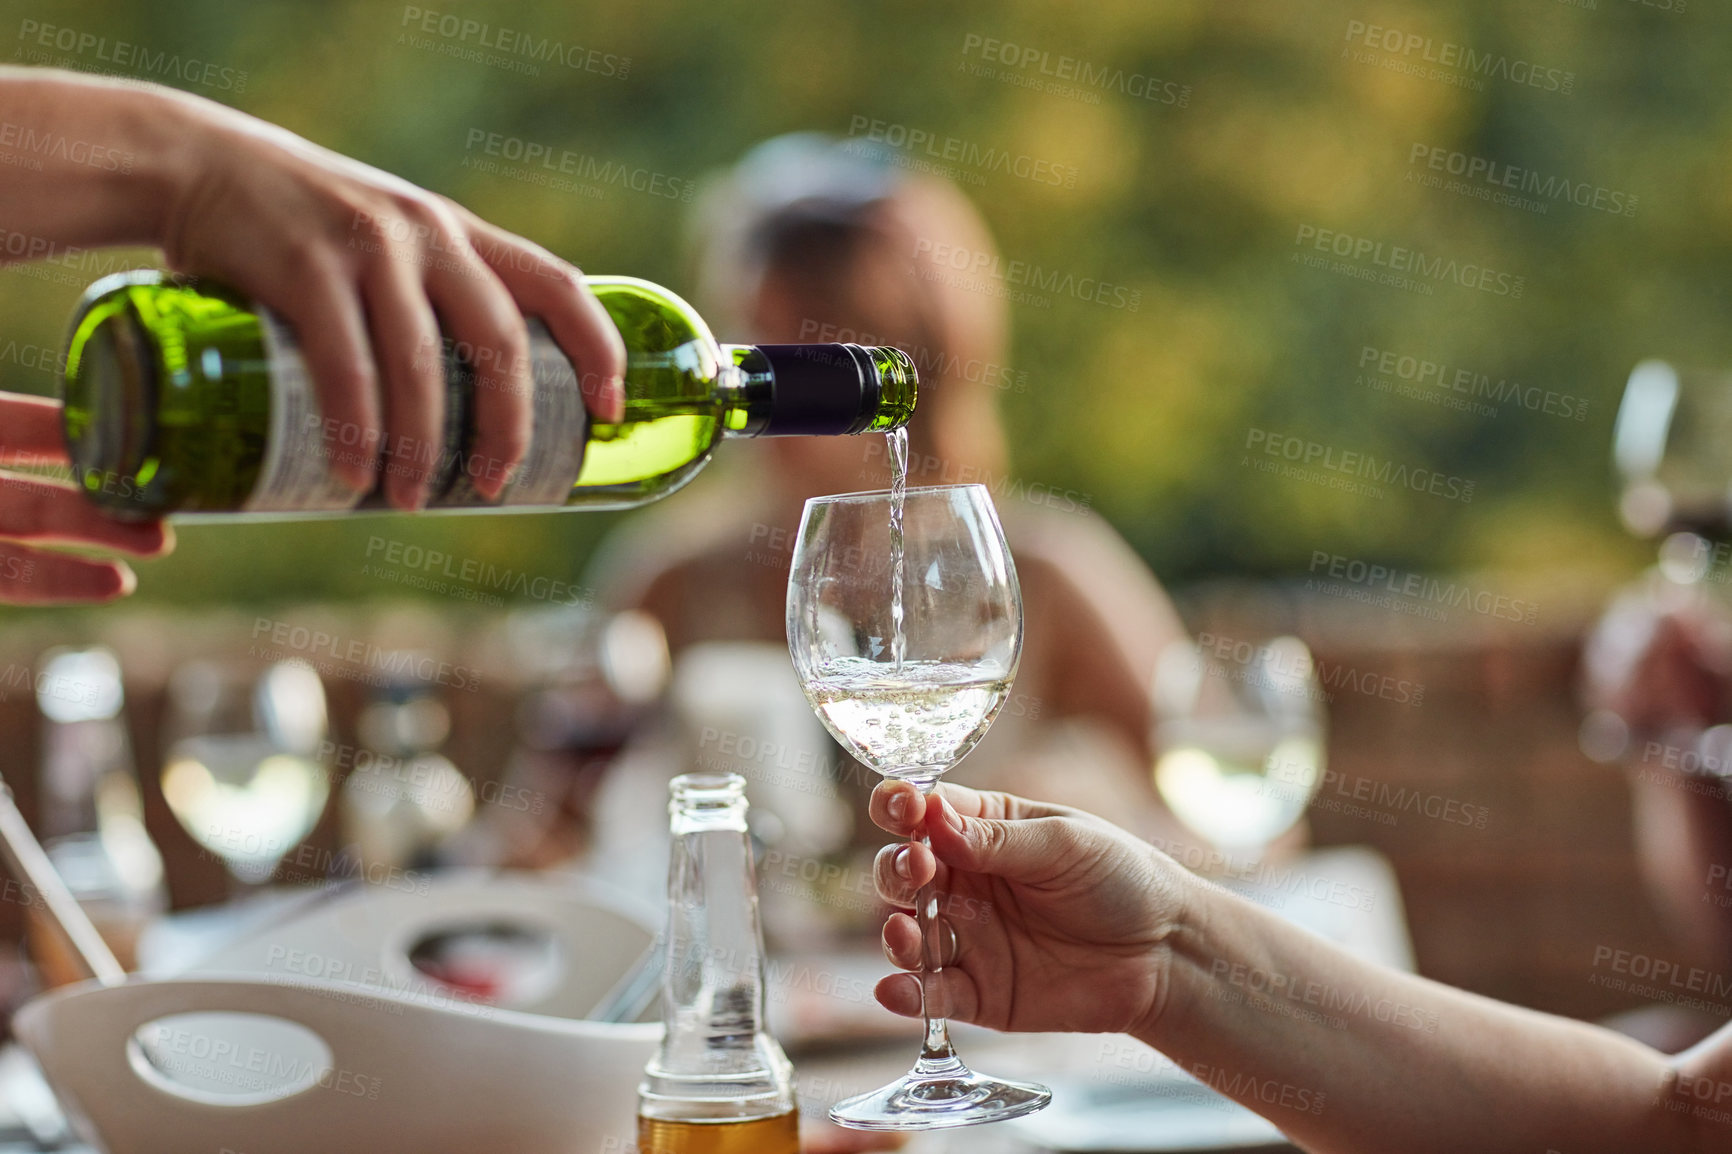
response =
{"points": [[898, 492]]}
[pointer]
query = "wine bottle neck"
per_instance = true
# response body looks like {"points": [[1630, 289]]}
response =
{"points": [[749, 391], [817, 390]]}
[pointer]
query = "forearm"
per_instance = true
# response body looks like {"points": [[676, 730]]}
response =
{"points": [[88, 161], [1351, 1058]]}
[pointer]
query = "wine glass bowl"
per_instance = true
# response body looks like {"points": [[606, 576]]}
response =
{"points": [[909, 679], [242, 771]]}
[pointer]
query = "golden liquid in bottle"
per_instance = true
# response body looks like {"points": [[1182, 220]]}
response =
{"points": [[778, 1135]]}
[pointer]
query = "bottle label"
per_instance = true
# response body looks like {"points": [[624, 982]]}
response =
{"points": [[558, 435], [295, 474]]}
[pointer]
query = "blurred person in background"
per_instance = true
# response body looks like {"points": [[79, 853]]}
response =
{"points": [[365, 267], [1658, 672], [813, 240]]}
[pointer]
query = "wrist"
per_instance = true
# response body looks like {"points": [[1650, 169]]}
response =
{"points": [[122, 155], [1174, 975], [174, 132]]}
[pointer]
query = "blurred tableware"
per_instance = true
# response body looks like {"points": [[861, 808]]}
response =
{"points": [[27, 1104], [90, 814], [1669, 444], [402, 798], [321, 1033], [544, 944], [81, 953], [270, 1067], [1239, 735], [740, 710], [31, 866], [242, 771], [633, 995], [587, 679]]}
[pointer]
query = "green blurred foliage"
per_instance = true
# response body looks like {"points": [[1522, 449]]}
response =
{"points": [[1196, 207]]}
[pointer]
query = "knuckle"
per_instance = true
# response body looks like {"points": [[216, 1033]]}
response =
{"points": [[419, 209], [987, 838], [307, 269]]}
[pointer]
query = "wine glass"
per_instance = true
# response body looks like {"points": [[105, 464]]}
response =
{"points": [[1240, 738], [1669, 447], [242, 771], [908, 674], [1669, 443]]}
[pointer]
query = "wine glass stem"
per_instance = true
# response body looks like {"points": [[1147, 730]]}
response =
{"points": [[936, 1053]]}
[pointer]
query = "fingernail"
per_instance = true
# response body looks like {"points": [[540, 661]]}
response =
{"points": [[950, 816], [899, 863], [898, 806]]}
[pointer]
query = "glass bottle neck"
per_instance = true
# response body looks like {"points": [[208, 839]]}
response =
{"points": [[749, 391], [716, 1061]]}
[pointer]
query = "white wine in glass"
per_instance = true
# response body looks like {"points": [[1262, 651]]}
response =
{"points": [[1240, 741], [906, 649], [242, 770]]}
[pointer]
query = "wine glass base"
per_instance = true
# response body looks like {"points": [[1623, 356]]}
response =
{"points": [[935, 1100]]}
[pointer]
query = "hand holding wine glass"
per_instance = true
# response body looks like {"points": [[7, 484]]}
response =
{"points": [[1059, 917], [905, 627]]}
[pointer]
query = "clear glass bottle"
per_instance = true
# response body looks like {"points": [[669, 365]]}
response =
{"points": [[719, 1084], [188, 399]]}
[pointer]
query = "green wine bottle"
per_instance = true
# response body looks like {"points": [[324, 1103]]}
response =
{"points": [[188, 399]]}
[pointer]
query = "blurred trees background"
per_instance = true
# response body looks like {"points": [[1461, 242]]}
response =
{"points": [[1196, 206]]}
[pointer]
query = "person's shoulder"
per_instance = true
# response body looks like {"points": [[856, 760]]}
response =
{"points": [[1078, 543], [1079, 565]]}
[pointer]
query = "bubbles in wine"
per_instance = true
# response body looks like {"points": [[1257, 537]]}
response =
{"points": [[918, 720]]}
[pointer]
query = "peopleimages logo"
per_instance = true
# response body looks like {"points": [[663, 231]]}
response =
{"points": [[1442, 377], [510, 49], [1413, 50], [1400, 259], [1305, 454], [1496, 176], [955, 150], [37, 40], [965, 267], [548, 160], [1103, 77], [1420, 588]]}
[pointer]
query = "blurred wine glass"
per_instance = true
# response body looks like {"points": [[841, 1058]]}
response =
{"points": [[242, 771], [585, 680], [403, 798], [1239, 738], [1670, 445], [1654, 663]]}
